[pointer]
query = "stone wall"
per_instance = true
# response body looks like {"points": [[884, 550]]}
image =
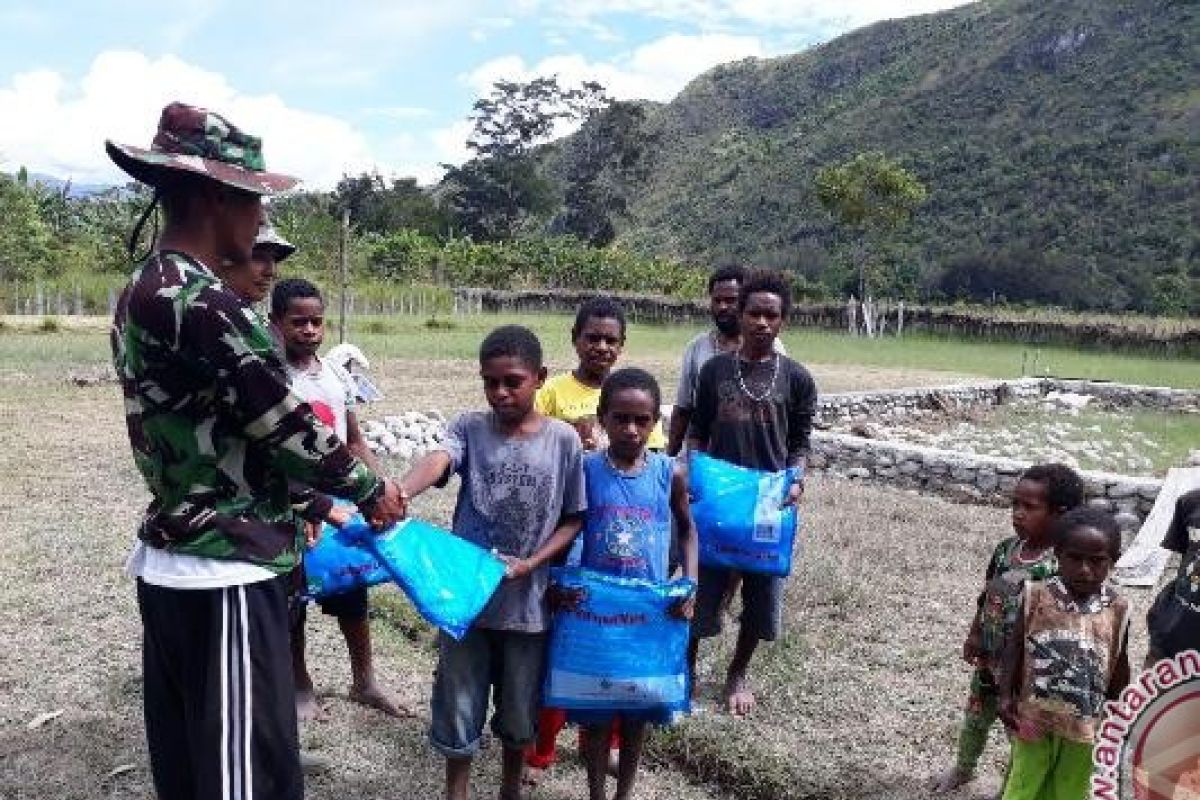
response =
{"points": [[892, 404], [979, 478], [967, 477], [1123, 395]]}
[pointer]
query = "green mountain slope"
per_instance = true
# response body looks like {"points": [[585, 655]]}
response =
{"points": [[1059, 139]]}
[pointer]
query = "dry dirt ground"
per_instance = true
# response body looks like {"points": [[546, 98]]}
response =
{"points": [[859, 700]]}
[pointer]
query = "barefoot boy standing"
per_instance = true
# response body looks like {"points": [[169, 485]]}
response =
{"points": [[753, 407], [522, 496], [298, 314]]}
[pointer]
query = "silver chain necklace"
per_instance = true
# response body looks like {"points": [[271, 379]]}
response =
{"points": [[770, 386]]}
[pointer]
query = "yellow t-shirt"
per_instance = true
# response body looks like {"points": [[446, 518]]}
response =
{"points": [[564, 397]]}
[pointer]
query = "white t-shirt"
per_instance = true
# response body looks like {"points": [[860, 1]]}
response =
{"points": [[181, 571], [328, 389]]}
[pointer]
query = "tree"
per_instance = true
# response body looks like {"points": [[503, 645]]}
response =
{"points": [[377, 206], [603, 158], [871, 195], [494, 193], [25, 240]]}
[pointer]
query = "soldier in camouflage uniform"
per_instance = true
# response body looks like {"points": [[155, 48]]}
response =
{"points": [[217, 435]]}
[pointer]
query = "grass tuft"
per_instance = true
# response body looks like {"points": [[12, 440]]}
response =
{"points": [[393, 609]]}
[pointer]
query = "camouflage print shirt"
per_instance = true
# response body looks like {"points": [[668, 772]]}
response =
{"points": [[1000, 602], [215, 430]]}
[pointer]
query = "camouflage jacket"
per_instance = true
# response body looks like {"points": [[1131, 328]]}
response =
{"points": [[215, 430]]}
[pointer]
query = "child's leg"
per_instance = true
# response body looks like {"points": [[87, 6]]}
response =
{"points": [[512, 764], [352, 610], [595, 757], [1072, 771], [980, 714], [707, 619], [458, 778], [458, 708], [731, 591], [983, 708], [1031, 768], [633, 740], [542, 754], [517, 696], [762, 597]]}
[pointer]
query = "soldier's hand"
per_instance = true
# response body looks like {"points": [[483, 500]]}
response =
{"points": [[339, 515], [390, 507]]}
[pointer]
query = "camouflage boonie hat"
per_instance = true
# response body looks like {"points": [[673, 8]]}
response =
{"points": [[195, 140], [268, 236]]}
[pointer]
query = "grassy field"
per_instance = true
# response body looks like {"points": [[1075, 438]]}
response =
{"points": [[658, 347], [859, 700]]}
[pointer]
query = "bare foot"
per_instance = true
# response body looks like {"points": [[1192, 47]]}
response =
{"points": [[532, 776], [951, 779], [307, 708], [738, 697], [374, 697]]}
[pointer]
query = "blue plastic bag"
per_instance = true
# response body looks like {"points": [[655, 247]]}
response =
{"points": [[739, 517], [619, 650], [448, 579]]}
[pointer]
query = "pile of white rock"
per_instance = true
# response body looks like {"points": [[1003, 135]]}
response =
{"points": [[405, 436]]}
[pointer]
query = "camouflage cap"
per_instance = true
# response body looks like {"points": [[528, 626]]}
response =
{"points": [[268, 236], [194, 140]]}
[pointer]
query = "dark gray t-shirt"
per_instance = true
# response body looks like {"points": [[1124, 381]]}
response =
{"points": [[515, 490], [753, 415]]}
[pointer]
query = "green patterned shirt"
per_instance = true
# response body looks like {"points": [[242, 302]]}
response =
{"points": [[215, 430], [1001, 600]]}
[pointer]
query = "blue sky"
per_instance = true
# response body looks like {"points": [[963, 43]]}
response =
{"points": [[345, 85]]}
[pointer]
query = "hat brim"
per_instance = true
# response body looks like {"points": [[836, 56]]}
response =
{"points": [[280, 250], [155, 168], [269, 238]]}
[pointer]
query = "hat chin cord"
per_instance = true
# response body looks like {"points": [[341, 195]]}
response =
{"points": [[136, 235]]}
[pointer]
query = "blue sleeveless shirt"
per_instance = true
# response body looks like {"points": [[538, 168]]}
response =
{"points": [[627, 527]]}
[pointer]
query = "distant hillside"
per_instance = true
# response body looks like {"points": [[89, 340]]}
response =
{"points": [[73, 189], [1059, 139]]}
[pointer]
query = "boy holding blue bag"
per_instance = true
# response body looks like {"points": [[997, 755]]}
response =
{"points": [[754, 408], [633, 497], [522, 496]]}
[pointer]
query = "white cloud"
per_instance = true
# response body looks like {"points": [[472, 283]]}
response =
{"points": [[654, 71], [53, 126], [399, 112]]}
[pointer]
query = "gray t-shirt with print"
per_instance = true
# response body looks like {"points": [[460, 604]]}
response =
{"points": [[515, 490]]}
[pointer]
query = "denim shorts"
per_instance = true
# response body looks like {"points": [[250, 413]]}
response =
{"points": [[504, 667], [762, 604]]}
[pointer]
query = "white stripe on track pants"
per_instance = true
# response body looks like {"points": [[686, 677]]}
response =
{"points": [[219, 698]]}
